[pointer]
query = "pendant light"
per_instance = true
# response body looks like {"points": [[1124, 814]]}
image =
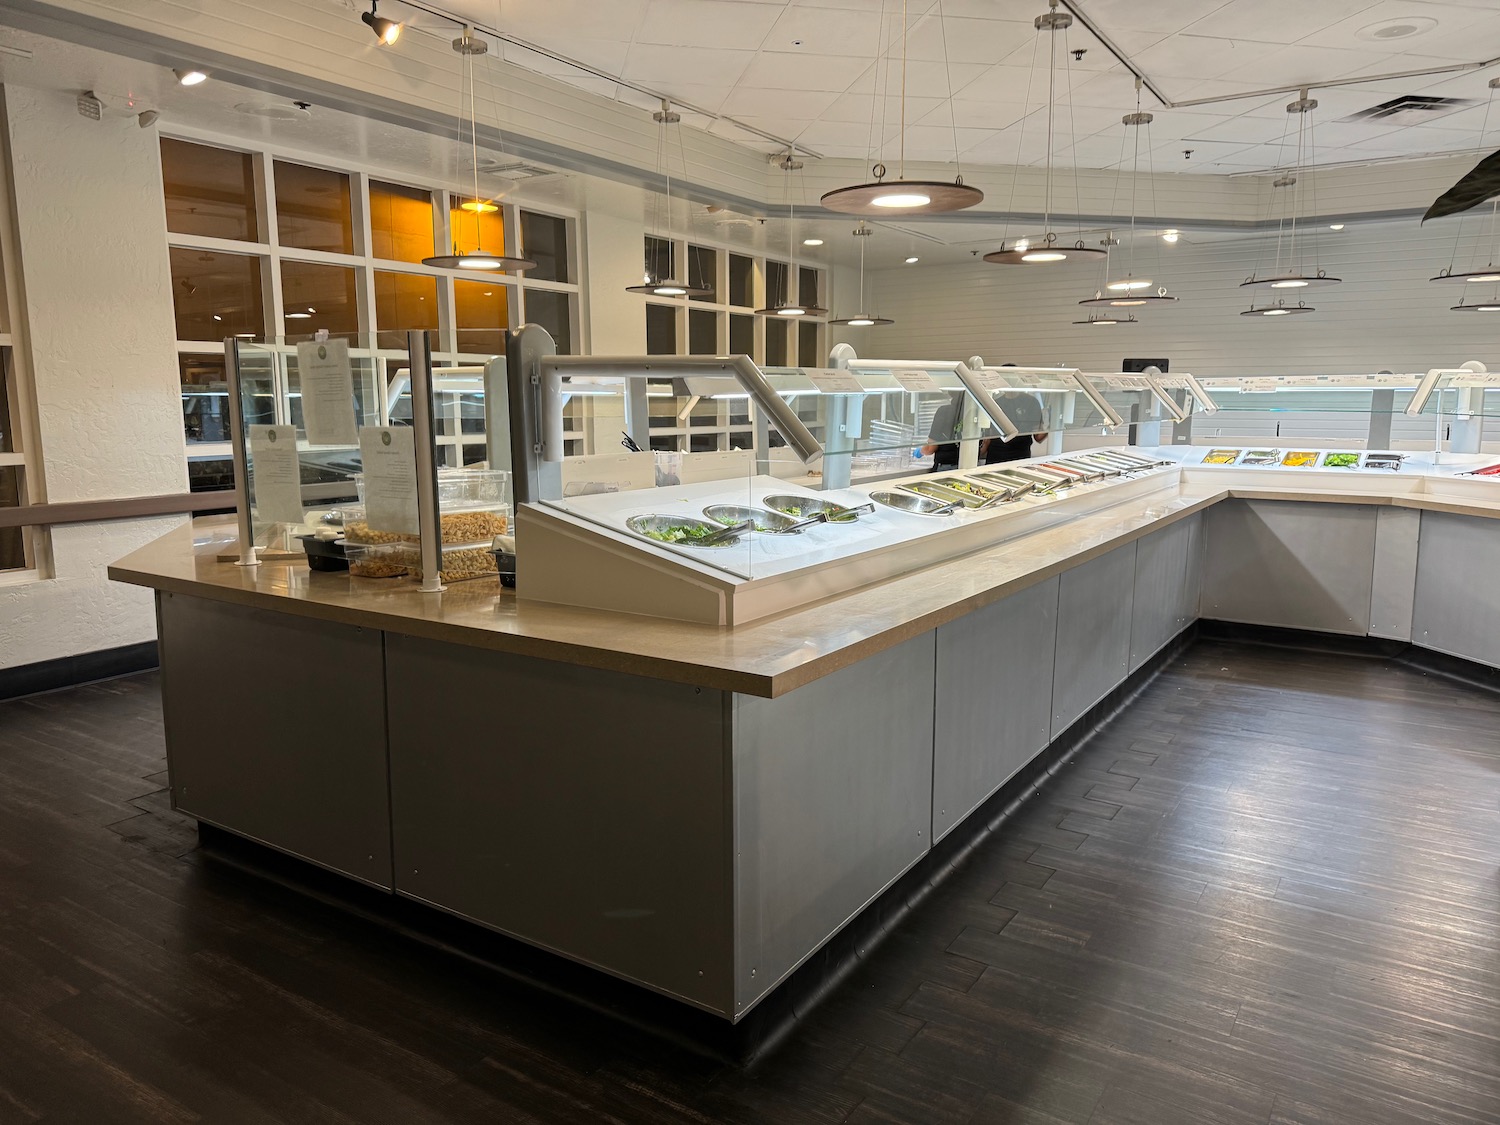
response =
{"points": [[478, 259], [1130, 291], [862, 319], [787, 307], [659, 280], [1049, 248], [1107, 319], [901, 196], [1280, 308], [1489, 274], [1290, 271]]}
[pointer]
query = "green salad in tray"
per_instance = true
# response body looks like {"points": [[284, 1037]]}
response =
{"points": [[1341, 460], [679, 533]]}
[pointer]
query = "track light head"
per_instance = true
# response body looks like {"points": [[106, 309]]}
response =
{"points": [[387, 31], [190, 76]]}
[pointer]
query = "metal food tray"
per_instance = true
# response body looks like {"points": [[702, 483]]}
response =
{"points": [[767, 521], [942, 488], [810, 506], [1017, 485], [1261, 457], [1086, 473], [914, 503], [657, 522], [1044, 479]]}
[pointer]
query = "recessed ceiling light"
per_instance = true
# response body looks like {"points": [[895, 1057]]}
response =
{"points": [[913, 260], [218, 317], [1169, 236], [1403, 28], [812, 242], [1335, 226], [190, 76]]}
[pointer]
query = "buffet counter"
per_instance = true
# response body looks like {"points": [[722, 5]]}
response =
{"points": [[698, 808]]}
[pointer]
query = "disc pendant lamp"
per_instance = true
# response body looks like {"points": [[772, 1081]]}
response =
{"points": [[1290, 270], [478, 259], [1049, 248], [862, 319], [901, 197], [786, 306], [659, 280], [1488, 274], [1128, 290]]}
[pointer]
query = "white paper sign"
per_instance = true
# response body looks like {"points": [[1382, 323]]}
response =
{"points": [[389, 455], [277, 473], [327, 392], [916, 381], [832, 382], [991, 381]]}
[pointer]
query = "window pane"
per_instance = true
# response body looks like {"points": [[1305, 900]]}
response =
{"points": [[316, 297], [400, 222], [776, 282], [660, 261], [741, 334], [807, 287], [477, 230], [312, 209], [703, 332], [742, 281], [205, 399], [216, 295], [553, 311], [776, 329], [808, 353], [661, 330], [403, 301], [544, 239], [7, 435], [209, 191], [482, 312], [703, 271], [12, 554]]}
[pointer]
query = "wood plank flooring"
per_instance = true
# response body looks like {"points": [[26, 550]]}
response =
{"points": [[1268, 893]]}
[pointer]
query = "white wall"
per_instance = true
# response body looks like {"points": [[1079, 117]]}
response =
{"points": [[98, 314], [1386, 314]]}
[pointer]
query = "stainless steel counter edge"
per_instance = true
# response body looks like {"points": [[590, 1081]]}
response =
{"points": [[767, 658]]}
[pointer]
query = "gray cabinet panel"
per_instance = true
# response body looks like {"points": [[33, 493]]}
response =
{"points": [[994, 699], [276, 731], [1166, 588], [1094, 607], [1394, 582], [1457, 603], [580, 810], [832, 801], [1290, 563]]}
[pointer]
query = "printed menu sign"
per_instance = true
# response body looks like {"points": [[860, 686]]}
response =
{"points": [[389, 455], [277, 473], [832, 382], [327, 381], [915, 381]]}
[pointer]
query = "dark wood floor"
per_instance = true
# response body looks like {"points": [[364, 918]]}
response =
{"points": [[1267, 893]]}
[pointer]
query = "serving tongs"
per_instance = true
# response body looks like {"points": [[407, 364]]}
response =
{"points": [[816, 517], [733, 531]]}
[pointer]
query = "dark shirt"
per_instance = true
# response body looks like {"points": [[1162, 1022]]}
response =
{"points": [[1021, 408]]}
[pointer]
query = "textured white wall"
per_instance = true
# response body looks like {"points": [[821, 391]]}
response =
{"points": [[98, 307], [1386, 314], [613, 236]]}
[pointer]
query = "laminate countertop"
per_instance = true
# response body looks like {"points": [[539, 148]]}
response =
{"points": [[768, 657]]}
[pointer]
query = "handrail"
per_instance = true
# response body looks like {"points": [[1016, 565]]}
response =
{"points": [[129, 508]]}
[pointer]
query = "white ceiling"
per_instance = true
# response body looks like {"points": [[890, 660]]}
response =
{"points": [[807, 70]]}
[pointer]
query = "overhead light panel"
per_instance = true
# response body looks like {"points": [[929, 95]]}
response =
{"points": [[387, 31], [188, 76]]}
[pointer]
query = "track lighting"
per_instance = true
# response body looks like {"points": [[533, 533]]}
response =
{"points": [[190, 76], [387, 31]]}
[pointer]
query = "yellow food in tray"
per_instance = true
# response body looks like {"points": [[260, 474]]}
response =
{"points": [[1222, 457], [1299, 460]]}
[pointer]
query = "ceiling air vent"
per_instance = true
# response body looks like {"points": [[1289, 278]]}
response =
{"points": [[514, 170], [1411, 109]]}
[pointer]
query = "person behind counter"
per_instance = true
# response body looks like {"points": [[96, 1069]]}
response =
{"points": [[1021, 408]]}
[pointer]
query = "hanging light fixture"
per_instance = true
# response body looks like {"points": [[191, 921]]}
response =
{"points": [[478, 259], [387, 31], [1107, 319], [862, 319], [1280, 308], [1049, 248], [658, 281], [789, 164], [1290, 272], [1130, 291], [901, 196], [1489, 274]]}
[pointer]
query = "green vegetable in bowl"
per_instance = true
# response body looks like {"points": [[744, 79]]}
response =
{"points": [[678, 533], [1341, 460], [793, 512]]}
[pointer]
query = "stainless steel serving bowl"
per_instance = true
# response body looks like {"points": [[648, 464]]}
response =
{"points": [[766, 521], [913, 503], [810, 506], [641, 525]]}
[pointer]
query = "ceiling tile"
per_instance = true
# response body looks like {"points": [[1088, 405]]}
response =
{"points": [[552, 23], [1345, 33], [825, 31], [967, 40], [705, 23], [791, 71], [1301, 63], [856, 109], [1159, 15], [1275, 21], [661, 66], [1197, 56], [804, 104], [975, 115]]}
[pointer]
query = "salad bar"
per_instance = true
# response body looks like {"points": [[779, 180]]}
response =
{"points": [[1304, 459]]}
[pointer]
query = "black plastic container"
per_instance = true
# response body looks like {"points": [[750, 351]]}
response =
{"points": [[324, 554]]}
